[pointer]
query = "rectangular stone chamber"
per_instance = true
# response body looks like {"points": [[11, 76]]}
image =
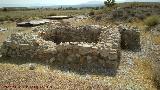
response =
{"points": [[89, 45], [130, 39], [85, 45]]}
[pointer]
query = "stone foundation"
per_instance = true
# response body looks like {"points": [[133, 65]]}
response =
{"points": [[130, 38], [83, 45], [94, 45], [73, 34]]}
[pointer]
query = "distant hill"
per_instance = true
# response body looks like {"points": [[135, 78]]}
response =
{"points": [[88, 4], [95, 2], [92, 4], [142, 0]]}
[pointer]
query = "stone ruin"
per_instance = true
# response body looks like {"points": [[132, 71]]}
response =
{"points": [[59, 17], [83, 45], [130, 38], [33, 23]]}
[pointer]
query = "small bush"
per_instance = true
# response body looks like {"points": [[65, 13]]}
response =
{"points": [[52, 14], [91, 13], [5, 9], [152, 21]]}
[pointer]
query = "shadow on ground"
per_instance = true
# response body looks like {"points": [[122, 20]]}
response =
{"points": [[86, 69], [82, 70]]}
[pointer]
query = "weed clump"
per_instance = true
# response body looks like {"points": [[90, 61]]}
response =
{"points": [[52, 14], [152, 21], [91, 13]]}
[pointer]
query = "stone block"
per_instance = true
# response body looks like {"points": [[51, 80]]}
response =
{"points": [[24, 46]]}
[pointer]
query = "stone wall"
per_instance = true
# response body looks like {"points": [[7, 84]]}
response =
{"points": [[73, 34], [84, 48], [86, 53], [130, 38], [28, 46]]}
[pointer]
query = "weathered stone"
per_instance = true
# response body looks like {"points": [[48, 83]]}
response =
{"points": [[58, 17], [71, 57], [3, 29], [24, 46], [102, 62], [13, 46], [52, 60], [89, 59], [32, 66], [104, 53], [90, 44], [33, 23], [113, 56], [130, 38]]}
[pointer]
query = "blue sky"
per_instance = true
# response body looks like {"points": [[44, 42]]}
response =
{"points": [[51, 2], [45, 2]]}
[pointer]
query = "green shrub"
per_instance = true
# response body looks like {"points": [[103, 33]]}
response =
{"points": [[152, 21], [91, 13]]}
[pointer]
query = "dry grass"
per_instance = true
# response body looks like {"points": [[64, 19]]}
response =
{"points": [[17, 72], [143, 66], [89, 21], [152, 20], [138, 77], [11, 28], [35, 14], [156, 40], [140, 24]]}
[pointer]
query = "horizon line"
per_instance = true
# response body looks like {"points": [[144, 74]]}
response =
{"points": [[41, 5]]}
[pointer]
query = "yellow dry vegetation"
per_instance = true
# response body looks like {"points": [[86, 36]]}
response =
{"points": [[156, 39], [145, 71]]}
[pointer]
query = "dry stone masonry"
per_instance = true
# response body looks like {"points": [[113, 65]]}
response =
{"points": [[130, 38], [83, 45], [72, 34]]}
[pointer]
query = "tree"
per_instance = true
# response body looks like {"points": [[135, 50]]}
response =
{"points": [[109, 3], [91, 13], [5, 9]]}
